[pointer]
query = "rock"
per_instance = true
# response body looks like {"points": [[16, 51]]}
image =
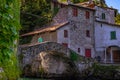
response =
{"points": [[50, 63]]}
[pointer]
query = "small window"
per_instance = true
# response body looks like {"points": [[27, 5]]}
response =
{"points": [[79, 50], [103, 16], [65, 44], [40, 39], [75, 12], [65, 33], [113, 35], [87, 33], [87, 14]]}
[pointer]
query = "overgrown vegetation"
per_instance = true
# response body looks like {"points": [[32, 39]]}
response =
{"points": [[106, 71], [34, 13], [117, 19], [9, 28]]}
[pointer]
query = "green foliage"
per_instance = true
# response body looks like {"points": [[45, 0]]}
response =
{"points": [[117, 19], [34, 13], [73, 56], [105, 71], [9, 28]]}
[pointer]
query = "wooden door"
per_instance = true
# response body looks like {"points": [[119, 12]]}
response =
{"points": [[87, 52], [116, 56]]}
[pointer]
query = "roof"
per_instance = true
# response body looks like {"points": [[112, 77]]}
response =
{"points": [[80, 6], [86, 4], [108, 23], [46, 29]]}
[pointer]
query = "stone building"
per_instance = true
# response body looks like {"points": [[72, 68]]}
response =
{"points": [[73, 26], [106, 33]]}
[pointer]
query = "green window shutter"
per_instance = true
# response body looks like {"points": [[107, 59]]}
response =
{"points": [[40, 39], [103, 15], [113, 35]]}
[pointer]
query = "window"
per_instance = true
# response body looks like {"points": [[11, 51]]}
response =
{"points": [[75, 12], [103, 15], [88, 53], [65, 33], [65, 44], [78, 49], [40, 39], [87, 33], [87, 14], [113, 35]]}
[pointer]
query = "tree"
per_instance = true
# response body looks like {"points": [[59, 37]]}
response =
{"points": [[9, 28], [117, 19], [34, 13]]}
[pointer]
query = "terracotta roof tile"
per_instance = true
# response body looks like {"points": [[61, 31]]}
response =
{"points": [[46, 29]]}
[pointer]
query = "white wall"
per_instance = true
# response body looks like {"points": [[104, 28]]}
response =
{"points": [[103, 37]]}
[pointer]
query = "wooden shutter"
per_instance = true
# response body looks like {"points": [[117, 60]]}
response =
{"points": [[103, 15], [87, 14], [113, 35], [75, 12]]}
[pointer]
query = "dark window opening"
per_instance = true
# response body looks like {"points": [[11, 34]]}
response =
{"points": [[65, 33], [87, 33]]}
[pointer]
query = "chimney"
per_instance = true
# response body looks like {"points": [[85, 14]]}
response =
{"points": [[90, 1], [69, 2]]}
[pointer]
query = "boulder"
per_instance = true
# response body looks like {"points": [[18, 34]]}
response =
{"points": [[50, 63]]}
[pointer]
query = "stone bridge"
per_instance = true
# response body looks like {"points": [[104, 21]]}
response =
{"points": [[27, 53]]}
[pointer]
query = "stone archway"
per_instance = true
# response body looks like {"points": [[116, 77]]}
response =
{"points": [[113, 54]]}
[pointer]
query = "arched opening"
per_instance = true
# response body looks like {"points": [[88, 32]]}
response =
{"points": [[112, 54]]}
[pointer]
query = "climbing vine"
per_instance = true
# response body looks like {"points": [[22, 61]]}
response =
{"points": [[9, 28]]}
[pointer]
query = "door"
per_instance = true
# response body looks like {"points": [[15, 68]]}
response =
{"points": [[88, 53], [116, 56]]}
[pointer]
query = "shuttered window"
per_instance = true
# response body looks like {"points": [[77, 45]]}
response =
{"points": [[113, 35], [75, 12], [103, 16], [87, 14]]}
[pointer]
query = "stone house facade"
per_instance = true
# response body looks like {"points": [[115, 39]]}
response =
{"points": [[88, 29], [73, 27], [106, 33]]}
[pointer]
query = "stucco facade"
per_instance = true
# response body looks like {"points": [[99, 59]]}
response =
{"points": [[103, 40]]}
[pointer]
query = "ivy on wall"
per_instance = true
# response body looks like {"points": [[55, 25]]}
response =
{"points": [[9, 28]]}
